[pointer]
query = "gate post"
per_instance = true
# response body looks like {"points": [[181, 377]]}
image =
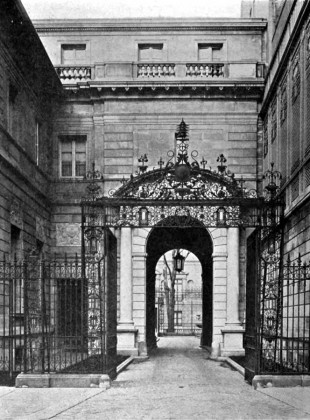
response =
{"points": [[233, 331], [126, 332]]}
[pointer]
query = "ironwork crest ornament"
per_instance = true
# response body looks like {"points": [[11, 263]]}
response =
{"points": [[180, 179], [180, 189]]}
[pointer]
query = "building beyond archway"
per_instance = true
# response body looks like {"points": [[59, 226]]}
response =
{"points": [[197, 240]]}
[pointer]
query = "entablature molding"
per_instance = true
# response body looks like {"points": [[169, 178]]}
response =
{"points": [[220, 90], [150, 25]]}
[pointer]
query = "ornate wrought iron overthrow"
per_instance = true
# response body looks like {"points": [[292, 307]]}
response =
{"points": [[178, 192]]}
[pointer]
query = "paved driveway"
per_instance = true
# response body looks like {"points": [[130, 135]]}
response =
{"points": [[177, 382]]}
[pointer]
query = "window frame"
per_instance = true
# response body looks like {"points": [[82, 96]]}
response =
{"points": [[214, 45], [178, 318], [75, 62], [62, 138], [149, 43]]}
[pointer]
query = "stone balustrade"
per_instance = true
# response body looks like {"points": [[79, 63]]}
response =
{"points": [[204, 70], [74, 73], [156, 70], [195, 71]]}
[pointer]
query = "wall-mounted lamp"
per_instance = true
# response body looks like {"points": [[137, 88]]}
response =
{"points": [[143, 216], [221, 216]]}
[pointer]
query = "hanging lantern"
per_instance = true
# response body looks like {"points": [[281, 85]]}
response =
{"points": [[179, 262], [143, 216], [93, 236], [270, 322]]}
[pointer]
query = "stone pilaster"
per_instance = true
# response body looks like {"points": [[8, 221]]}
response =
{"points": [[233, 331], [126, 332]]}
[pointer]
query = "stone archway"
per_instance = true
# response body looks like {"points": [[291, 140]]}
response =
{"points": [[197, 240]]}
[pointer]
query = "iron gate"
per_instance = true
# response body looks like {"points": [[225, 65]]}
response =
{"points": [[252, 307], [187, 313], [278, 310], [54, 315]]}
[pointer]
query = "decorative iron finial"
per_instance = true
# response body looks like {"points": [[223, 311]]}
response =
{"points": [[204, 163], [221, 167], [93, 189], [161, 163], [94, 174], [142, 167], [182, 131]]}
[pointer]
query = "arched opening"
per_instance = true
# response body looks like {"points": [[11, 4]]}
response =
{"points": [[178, 294], [196, 239]]}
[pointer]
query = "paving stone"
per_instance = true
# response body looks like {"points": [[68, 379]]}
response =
{"points": [[178, 381]]}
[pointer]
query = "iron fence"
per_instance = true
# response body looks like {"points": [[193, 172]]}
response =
{"points": [[52, 317], [285, 317], [187, 312]]}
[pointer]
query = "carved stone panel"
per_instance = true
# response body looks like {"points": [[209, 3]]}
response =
{"points": [[68, 234]]}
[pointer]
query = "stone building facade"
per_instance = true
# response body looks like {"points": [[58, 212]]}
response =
{"points": [[29, 93], [126, 85]]}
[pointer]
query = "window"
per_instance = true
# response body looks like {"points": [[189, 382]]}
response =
{"points": [[73, 53], [150, 52], [72, 156], [210, 52], [177, 318], [39, 248], [15, 242]]}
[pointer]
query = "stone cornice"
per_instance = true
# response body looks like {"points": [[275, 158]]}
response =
{"points": [[150, 25], [218, 89]]}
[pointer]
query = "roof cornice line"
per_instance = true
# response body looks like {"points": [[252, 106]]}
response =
{"points": [[195, 28]]}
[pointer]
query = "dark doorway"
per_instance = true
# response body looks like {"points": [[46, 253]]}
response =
{"points": [[195, 239]]}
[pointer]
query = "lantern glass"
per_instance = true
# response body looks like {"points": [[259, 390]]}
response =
{"points": [[179, 262], [93, 244], [221, 215], [143, 216]]}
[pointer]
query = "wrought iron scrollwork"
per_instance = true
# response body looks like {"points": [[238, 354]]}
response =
{"points": [[179, 183]]}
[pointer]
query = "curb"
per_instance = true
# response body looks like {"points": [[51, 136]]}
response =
{"points": [[235, 365], [124, 364]]}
